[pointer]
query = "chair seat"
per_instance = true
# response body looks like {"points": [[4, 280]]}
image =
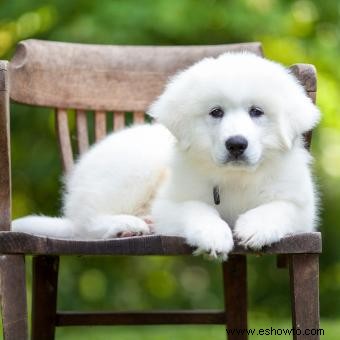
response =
{"points": [[22, 243]]}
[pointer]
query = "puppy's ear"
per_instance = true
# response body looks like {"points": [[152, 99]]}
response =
{"points": [[299, 116], [168, 110], [286, 132]]}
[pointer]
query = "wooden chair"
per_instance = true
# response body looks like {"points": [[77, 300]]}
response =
{"points": [[119, 79]]}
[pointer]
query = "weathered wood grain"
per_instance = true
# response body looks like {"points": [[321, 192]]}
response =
{"points": [[118, 120], [82, 131], [64, 140], [5, 157], [21, 243], [158, 317], [13, 297], [44, 296], [99, 125], [312, 96], [235, 295], [306, 74], [138, 117], [304, 283], [99, 77]]}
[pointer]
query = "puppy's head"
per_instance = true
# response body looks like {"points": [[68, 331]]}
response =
{"points": [[235, 109]]}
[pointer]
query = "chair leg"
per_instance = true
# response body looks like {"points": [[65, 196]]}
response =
{"points": [[304, 282], [13, 297], [282, 261], [235, 295], [44, 296]]}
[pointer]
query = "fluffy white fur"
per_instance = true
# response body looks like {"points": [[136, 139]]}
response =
{"points": [[144, 170]]}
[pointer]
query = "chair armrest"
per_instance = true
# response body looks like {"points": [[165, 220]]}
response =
{"points": [[5, 159]]}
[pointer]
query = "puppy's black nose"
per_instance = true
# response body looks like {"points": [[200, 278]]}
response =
{"points": [[236, 145]]}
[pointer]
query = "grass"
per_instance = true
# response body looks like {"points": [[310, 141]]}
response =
{"points": [[331, 331]]}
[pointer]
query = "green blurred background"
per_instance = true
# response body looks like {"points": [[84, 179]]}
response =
{"points": [[290, 31]]}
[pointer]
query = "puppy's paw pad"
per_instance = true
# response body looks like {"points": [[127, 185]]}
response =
{"points": [[148, 219], [137, 225], [128, 234], [127, 226]]}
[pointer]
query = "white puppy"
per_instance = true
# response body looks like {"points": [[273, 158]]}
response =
{"points": [[237, 121]]}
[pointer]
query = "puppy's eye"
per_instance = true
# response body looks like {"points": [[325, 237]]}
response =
{"points": [[217, 112], [255, 112]]}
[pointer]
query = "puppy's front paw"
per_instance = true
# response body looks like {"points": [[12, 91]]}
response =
{"points": [[126, 226], [253, 230], [214, 239]]}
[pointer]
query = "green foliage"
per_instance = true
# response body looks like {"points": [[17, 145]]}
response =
{"points": [[291, 31]]}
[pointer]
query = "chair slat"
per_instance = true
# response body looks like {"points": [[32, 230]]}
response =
{"points": [[100, 125], [118, 120], [82, 131], [138, 117], [64, 140]]}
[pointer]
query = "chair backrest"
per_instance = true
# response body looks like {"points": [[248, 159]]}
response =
{"points": [[106, 80]]}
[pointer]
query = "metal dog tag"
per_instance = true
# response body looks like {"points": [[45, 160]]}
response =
{"points": [[216, 193]]}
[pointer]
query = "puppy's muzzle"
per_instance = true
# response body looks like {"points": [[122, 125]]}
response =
{"points": [[236, 145]]}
